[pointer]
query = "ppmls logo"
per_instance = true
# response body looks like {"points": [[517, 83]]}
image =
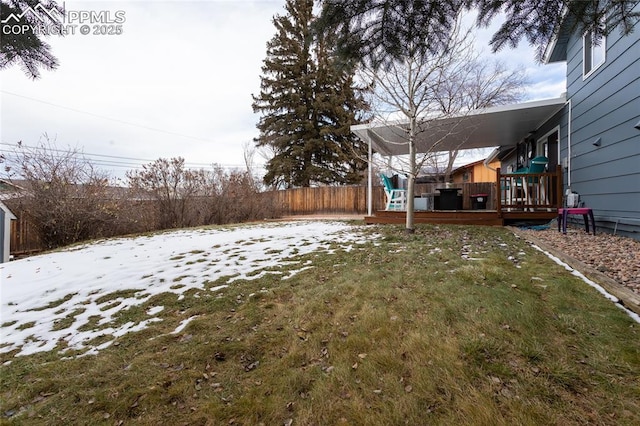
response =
{"points": [[56, 20], [53, 13]]}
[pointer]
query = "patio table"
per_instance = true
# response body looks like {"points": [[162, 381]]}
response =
{"points": [[587, 214]]}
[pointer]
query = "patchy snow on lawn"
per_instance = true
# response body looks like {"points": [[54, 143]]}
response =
{"points": [[41, 295]]}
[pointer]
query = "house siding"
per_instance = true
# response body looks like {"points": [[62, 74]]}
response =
{"points": [[606, 105], [558, 120], [484, 174], [476, 173], [5, 232]]}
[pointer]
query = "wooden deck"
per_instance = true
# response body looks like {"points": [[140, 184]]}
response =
{"points": [[521, 197], [462, 217]]}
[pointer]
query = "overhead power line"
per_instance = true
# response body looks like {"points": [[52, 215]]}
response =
{"points": [[117, 120], [110, 160]]}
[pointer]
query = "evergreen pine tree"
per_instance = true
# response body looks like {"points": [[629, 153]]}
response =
{"points": [[27, 47], [379, 31], [340, 104], [307, 106]]}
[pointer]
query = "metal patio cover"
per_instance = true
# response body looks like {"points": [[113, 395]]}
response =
{"points": [[497, 126]]}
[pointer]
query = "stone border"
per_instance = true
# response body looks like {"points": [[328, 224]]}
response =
{"points": [[628, 298]]}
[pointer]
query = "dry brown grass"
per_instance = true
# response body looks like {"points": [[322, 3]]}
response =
{"points": [[406, 331]]}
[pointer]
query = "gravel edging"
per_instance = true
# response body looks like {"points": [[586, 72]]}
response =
{"points": [[628, 295]]}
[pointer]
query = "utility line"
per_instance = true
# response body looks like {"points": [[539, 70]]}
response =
{"points": [[47, 148], [117, 120], [138, 161]]}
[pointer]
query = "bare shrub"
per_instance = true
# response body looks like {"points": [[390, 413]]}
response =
{"points": [[64, 196], [237, 198], [173, 187], [199, 197], [65, 199]]}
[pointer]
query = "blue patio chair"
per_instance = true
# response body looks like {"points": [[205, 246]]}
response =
{"points": [[396, 198], [536, 165]]}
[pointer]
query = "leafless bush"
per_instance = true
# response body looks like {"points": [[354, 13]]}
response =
{"points": [[67, 199], [173, 187], [199, 197], [135, 216], [237, 198]]}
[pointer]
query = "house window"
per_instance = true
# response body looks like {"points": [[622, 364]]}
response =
{"points": [[594, 48]]}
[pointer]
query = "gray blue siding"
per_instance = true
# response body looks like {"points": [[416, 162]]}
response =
{"points": [[606, 105]]}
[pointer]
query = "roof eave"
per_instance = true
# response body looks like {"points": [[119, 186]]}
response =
{"points": [[500, 125], [556, 50]]}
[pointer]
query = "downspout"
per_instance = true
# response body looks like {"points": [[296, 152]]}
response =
{"points": [[370, 179], [569, 149], [490, 158]]}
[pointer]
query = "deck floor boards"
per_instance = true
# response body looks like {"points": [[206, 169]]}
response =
{"points": [[461, 217]]}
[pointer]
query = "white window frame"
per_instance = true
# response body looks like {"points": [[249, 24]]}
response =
{"points": [[589, 49]]}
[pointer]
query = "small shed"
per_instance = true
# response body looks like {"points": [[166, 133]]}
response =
{"points": [[5, 232]]}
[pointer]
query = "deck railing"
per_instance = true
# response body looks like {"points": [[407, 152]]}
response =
{"points": [[529, 191]]}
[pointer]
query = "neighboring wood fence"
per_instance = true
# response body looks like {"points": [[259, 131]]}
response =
{"points": [[468, 189], [353, 199], [24, 237], [326, 200]]}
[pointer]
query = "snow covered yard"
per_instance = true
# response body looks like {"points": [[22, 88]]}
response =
{"points": [[72, 296]]}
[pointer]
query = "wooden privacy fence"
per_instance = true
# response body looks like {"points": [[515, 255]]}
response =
{"points": [[467, 190], [24, 237], [353, 199], [325, 200]]}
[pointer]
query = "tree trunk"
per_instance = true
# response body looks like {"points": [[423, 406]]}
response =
{"points": [[410, 229], [411, 176]]}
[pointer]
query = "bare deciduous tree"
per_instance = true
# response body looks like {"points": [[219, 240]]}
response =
{"points": [[410, 88], [421, 87], [479, 84]]}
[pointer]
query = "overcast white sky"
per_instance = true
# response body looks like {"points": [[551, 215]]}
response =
{"points": [[177, 82]]}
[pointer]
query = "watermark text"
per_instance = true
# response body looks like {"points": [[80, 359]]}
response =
{"points": [[54, 22]]}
